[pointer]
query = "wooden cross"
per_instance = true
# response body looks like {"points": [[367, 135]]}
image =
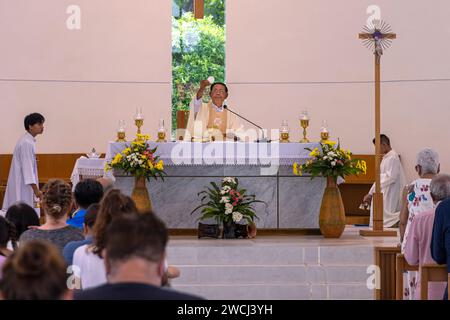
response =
{"points": [[199, 9], [378, 38]]}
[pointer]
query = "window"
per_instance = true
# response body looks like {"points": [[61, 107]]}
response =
{"points": [[198, 50]]}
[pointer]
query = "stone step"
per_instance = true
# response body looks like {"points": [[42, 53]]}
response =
{"points": [[278, 292], [245, 254], [271, 274]]}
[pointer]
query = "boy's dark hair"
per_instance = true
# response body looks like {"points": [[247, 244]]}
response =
{"points": [[216, 83], [142, 235], [383, 139], [22, 216], [87, 192], [32, 119]]}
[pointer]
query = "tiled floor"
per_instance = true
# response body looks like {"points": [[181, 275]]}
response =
{"points": [[276, 267]]}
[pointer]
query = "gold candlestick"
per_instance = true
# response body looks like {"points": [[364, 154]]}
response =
{"points": [[304, 123], [121, 136], [121, 132], [161, 132], [139, 122], [284, 132], [324, 134]]}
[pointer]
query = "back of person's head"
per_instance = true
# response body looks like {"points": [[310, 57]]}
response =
{"points": [[56, 198], [87, 192], [384, 139], [7, 233], [91, 215], [142, 236], [428, 160], [32, 119], [35, 271], [113, 205], [440, 187], [23, 216]]}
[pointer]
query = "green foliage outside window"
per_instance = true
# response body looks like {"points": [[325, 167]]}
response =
{"points": [[198, 51]]}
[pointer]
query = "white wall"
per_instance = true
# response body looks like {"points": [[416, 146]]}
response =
{"points": [[282, 56], [288, 55], [83, 81]]}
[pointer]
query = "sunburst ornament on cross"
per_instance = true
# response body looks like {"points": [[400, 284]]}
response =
{"points": [[377, 37]]}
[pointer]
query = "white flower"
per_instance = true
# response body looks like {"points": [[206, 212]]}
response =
{"points": [[237, 216], [224, 200], [225, 189], [229, 180], [325, 158], [228, 206], [333, 163]]}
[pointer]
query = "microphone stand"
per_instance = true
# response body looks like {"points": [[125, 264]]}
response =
{"points": [[258, 140]]}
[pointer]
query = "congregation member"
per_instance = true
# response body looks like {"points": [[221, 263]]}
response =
{"points": [[86, 192], [417, 248], [36, 271], [7, 235], [392, 181], [88, 258], [22, 216], [56, 202], [440, 241], [134, 258], [23, 181], [88, 226], [416, 199]]}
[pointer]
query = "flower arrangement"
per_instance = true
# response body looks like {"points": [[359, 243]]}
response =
{"points": [[330, 161], [139, 160], [228, 203]]}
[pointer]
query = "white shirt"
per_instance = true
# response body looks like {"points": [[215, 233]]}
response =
{"points": [[392, 180], [23, 173], [91, 267]]}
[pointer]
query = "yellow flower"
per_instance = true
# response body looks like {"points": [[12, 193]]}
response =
{"points": [[127, 151], [330, 143], [117, 159], [296, 169], [150, 164], [361, 164], [160, 165], [314, 153]]}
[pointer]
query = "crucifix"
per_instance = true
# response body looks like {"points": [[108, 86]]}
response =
{"points": [[377, 37]]}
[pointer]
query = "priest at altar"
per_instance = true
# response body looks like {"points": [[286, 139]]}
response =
{"points": [[211, 120]]}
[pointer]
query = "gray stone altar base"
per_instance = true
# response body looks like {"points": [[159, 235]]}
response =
{"points": [[293, 201]]}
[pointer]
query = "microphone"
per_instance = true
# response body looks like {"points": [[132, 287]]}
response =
{"points": [[263, 139]]}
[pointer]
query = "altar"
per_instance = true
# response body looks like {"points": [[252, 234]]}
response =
{"points": [[264, 169]]}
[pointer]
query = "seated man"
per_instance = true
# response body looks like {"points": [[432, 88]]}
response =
{"points": [[211, 119], [134, 257]]}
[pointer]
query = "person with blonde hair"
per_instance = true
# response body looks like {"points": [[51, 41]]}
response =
{"points": [[56, 202]]}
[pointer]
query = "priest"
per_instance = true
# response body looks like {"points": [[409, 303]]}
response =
{"points": [[211, 120], [23, 182]]}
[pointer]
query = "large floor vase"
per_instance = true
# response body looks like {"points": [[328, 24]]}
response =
{"points": [[332, 214], [140, 194]]}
